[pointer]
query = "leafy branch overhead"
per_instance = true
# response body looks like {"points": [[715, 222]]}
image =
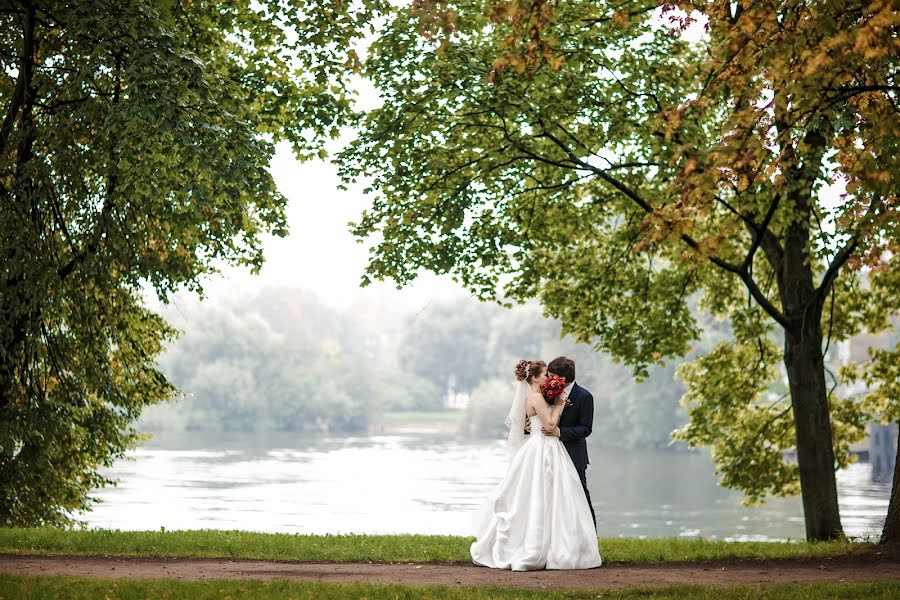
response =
{"points": [[616, 159]]}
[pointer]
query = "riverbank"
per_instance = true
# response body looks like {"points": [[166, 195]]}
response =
{"points": [[432, 484], [384, 548], [445, 422]]}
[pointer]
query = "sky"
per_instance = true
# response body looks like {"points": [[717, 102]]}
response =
{"points": [[320, 254]]}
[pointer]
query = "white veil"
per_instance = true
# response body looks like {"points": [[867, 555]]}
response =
{"points": [[515, 420]]}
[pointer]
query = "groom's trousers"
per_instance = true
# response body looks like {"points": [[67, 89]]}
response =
{"points": [[583, 476]]}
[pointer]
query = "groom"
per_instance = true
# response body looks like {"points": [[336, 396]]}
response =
{"points": [[576, 421]]}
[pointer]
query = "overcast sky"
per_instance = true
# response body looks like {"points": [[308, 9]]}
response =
{"points": [[320, 254]]}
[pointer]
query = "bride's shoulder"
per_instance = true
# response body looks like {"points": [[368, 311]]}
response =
{"points": [[535, 396]]}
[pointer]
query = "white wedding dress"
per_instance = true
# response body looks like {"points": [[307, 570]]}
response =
{"points": [[538, 517]]}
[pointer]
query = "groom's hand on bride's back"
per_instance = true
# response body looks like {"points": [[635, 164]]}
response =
{"points": [[527, 425]]}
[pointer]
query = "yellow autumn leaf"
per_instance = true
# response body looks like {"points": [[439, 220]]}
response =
{"points": [[690, 165], [621, 19]]}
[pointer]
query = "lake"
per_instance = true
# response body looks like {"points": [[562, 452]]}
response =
{"points": [[297, 483]]}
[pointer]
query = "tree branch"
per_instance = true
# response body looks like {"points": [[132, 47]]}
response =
{"points": [[760, 232], [23, 82], [111, 187], [769, 242], [739, 270], [843, 255], [856, 89], [831, 274]]}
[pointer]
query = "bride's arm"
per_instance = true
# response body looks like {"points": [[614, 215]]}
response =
{"points": [[548, 415]]}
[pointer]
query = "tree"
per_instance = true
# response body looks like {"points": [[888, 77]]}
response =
{"points": [[485, 414], [591, 155], [446, 344], [269, 363], [134, 153], [881, 373]]}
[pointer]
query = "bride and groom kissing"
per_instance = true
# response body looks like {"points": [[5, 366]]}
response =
{"points": [[540, 516]]}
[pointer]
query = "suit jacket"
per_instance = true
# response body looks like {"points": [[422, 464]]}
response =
{"points": [[575, 425]]}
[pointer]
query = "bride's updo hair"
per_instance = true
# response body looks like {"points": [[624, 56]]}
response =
{"points": [[526, 370]]}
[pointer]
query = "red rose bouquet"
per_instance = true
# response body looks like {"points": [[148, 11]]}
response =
{"points": [[553, 387]]}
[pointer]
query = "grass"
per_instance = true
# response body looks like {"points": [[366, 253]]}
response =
{"points": [[76, 588], [379, 548]]}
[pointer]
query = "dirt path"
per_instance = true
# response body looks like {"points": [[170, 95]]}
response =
{"points": [[608, 576]]}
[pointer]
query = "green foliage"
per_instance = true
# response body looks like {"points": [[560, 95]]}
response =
{"points": [[446, 344], [732, 411], [134, 158], [282, 360], [273, 362], [399, 391], [881, 377], [53, 442], [592, 157], [486, 411], [462, 196]]}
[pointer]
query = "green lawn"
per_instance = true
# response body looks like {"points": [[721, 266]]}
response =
{"points": [[377, 548], [41, 588]]}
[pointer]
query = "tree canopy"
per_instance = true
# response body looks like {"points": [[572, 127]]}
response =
{"points": [[135, 143], [597, 157]]}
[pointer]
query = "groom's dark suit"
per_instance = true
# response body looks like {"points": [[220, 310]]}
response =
{"points": [[574, 427]]}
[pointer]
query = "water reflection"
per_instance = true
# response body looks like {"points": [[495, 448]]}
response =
{"points": [[421, 484]]}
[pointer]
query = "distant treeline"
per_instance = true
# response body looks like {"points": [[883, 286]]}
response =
{"points": [[284, 361]]}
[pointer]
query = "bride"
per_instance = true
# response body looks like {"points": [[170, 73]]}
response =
{"points": [[538, 517]]}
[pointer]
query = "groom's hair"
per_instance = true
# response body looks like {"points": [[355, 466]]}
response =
{"points": [[564, 367]]}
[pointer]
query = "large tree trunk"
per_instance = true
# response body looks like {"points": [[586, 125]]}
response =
{"points": [[815, 449], [804, 361], [891, 531]]}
